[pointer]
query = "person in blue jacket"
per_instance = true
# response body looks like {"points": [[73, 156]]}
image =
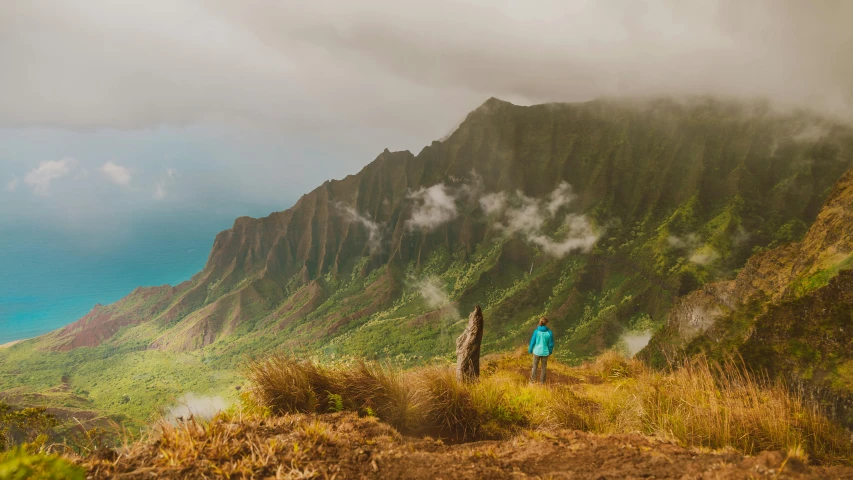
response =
{"points": [[541, 346]]}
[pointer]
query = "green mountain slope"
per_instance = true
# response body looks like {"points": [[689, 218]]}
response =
{"points": [[789, 311], [599, 215]]}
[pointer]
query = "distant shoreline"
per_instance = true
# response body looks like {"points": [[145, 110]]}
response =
{"points": [[13, 342]]}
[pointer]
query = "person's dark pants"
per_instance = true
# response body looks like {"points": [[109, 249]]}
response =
{"points": [[536, 361]]}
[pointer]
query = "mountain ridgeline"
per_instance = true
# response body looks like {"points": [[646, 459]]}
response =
{"points": [[600, 215], [677, 194]]}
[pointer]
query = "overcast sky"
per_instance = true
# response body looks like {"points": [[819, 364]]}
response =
{"points": [[112, 105]]}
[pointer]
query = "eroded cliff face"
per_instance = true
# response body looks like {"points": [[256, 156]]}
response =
{"points": [[768, 278], [677, 192], [789, 311]]}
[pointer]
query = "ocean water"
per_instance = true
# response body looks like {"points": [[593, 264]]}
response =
{"points": [[49, 278]]}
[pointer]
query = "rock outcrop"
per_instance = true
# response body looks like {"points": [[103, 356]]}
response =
{"points": [[769, 278], [789, 312], [468, 348]]}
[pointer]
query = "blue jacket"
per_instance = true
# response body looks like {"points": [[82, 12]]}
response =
{"points": [[542, 342]]}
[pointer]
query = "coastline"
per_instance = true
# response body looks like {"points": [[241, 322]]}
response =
{"points": [[13, 342]]}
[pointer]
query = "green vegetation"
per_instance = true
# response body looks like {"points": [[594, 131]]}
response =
{"points": [[19, 464], [821, 278], [680, 194], [123, 383], [25, 434], [699, 404]]}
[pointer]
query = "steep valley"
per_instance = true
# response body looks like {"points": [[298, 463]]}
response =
{"points": [[602, 216]]}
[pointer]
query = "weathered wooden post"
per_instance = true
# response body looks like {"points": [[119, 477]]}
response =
{"points": [[468, 348]]}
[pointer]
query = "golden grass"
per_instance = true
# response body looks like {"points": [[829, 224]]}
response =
{"points": [[719, 406], [237, 445], [699, 404]]}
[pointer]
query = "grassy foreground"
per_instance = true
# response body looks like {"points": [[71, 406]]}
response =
{"points": [[300, 419], [697, 405]]}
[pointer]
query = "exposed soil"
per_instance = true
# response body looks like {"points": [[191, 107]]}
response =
{"points": [[345, 446]]}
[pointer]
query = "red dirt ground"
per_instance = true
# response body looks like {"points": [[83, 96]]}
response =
{"points": [[344, 446]]}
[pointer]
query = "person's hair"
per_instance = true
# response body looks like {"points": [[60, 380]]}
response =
{"points": [[543, 321]]}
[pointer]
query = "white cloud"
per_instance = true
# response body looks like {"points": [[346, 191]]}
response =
{"points": [[529, 216], [402, 64], [374, 231], [580, 236], [523, 215], [12, 186], [493, 202], [199, 406], [633, 342], [41, 178], [561, 196], [116, 173], [689, 241], [433, 206], [699, 252], [526, 218], [433, 293], [430, 289], [704, 256]]}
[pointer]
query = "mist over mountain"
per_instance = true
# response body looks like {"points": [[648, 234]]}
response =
{"points": [[786, 313], [600, 215], [242, 238]]}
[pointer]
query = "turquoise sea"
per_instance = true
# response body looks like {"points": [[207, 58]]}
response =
{"points": [[49, 278]]}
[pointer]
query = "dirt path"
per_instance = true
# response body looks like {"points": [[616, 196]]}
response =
{"points": [[577, 455], [344, 446]]}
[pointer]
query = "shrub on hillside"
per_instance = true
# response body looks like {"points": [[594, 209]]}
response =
{"points": [[20, 464], [25, 425]]}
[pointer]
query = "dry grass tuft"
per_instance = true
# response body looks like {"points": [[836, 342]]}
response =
{"points": [[614, 365], [717, 406], [285, 385], [447, 406], [236, 445], [381, 391], [574, 412], [699, 404]]}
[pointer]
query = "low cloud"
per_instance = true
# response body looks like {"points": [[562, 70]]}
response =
{"points": [[699, 253], [471, 189], [579, 237], [516, 213], [433, 206], [116, 173], [493, 202], [528, 217], [704, 256], [560, 197], [374, 231], [433, 293], [48, 172], [431, 290], [633, 342], [811, 133], [12, 186], [688, 241], [402, 66], [199, 406]]}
